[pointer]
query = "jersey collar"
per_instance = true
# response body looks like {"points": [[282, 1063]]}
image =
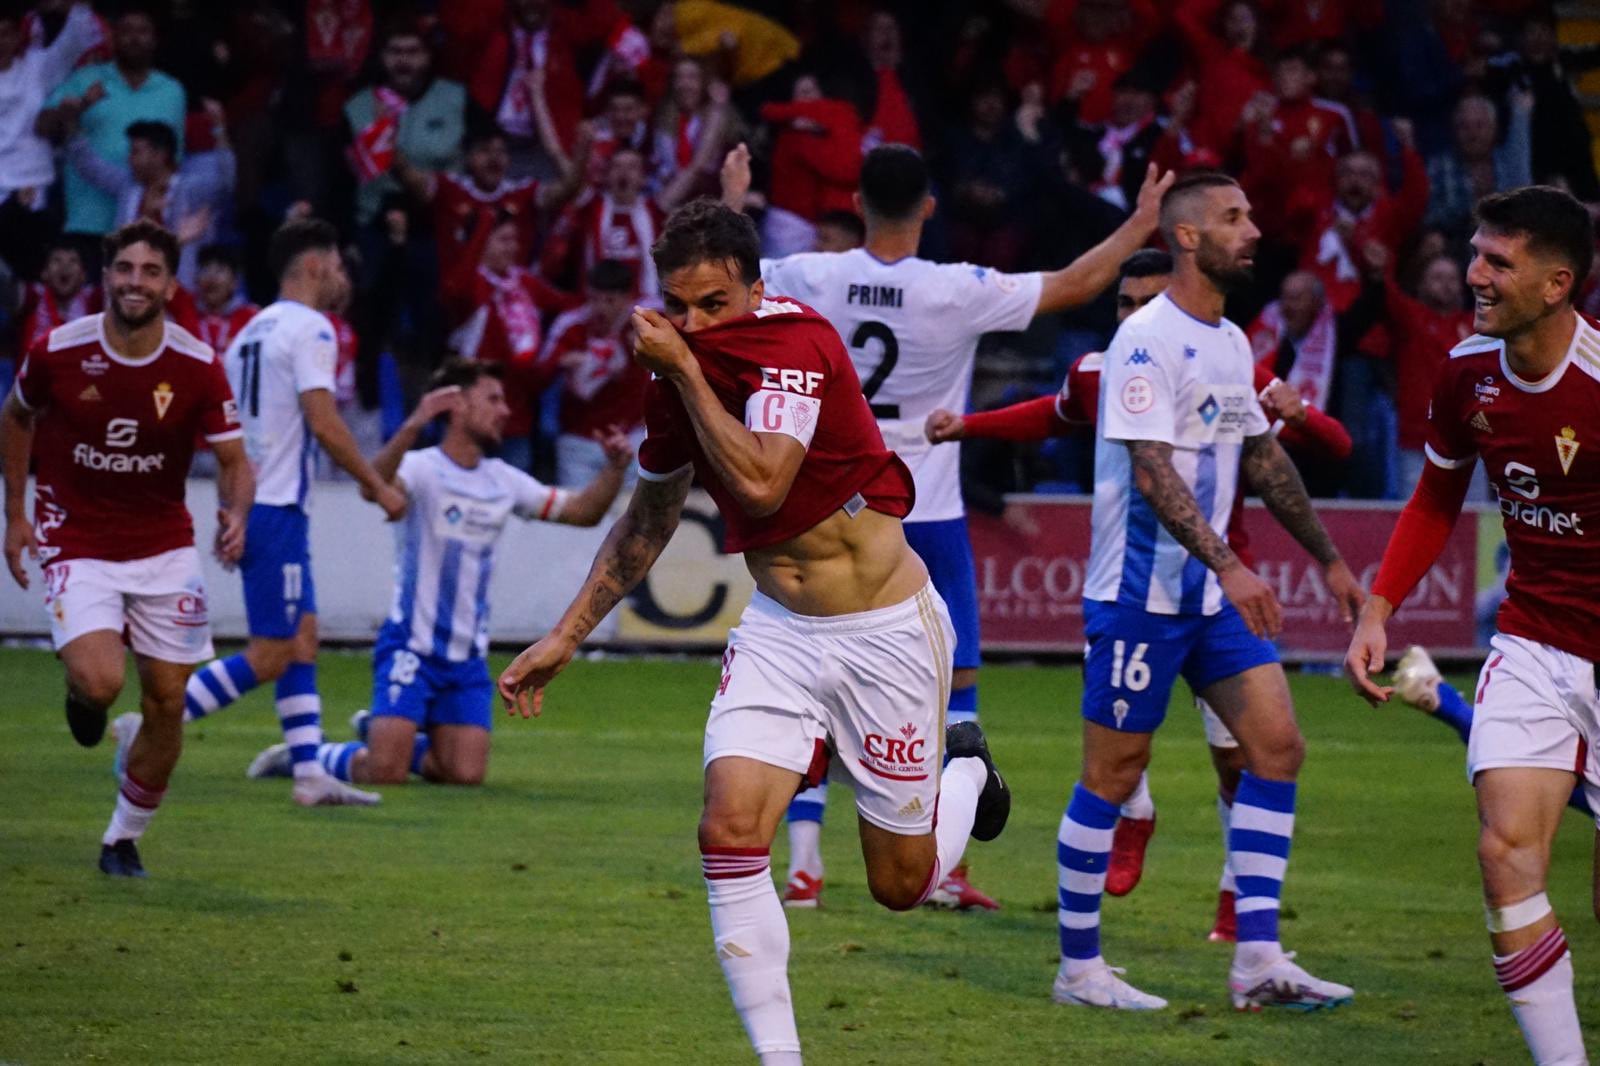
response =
{"points": [[1552, 379], [117, 357]]}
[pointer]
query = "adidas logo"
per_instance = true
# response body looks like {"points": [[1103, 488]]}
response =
{"points": [[730, 950], [90, 395], [914, 807], [1480, 423]]}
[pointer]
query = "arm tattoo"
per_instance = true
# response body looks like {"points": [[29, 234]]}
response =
{"points": [[1270, 471], [1174, 504], [630, 549]]}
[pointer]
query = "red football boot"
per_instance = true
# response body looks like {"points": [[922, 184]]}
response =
{"points": [[1226, 931], [954, 893], [1128, 843], [803, 892]]}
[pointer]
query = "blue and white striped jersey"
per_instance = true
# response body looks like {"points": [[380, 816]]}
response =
{"points": [[1173, 378], [444, 547]]}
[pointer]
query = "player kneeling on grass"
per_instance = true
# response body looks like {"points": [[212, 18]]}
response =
{"points": [[845, 647], [431, 692]]}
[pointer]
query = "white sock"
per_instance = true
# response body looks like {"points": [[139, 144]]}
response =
{"points": [[805, 847], [1538, 984], [959, 788], [752, 941], [1224, 811], [1140, 806], [136, 805]]}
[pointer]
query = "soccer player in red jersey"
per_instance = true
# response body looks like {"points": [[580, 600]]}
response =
{"points": [[115, 402], [1521, 395], [844, 651]]}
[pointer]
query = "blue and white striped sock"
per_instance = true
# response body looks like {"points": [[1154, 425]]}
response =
{"points": [[217, 684], [1083, 852], [1260, 828], [338, 758], [963, 705], [300, 715], [809, 803]]}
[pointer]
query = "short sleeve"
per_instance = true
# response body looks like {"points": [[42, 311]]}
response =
{"points": [[1449, 442], [1138, 390], [664, 452], [316, 356], [990, 300], [409, 472], [533, 499], [219, 421], [33, 380]]}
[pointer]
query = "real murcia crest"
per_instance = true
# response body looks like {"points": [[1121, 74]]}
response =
{"points": [[1567, 447], [163, 395]]}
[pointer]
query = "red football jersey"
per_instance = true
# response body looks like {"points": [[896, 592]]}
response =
{"points": [[601, 384], [787, 347], [457, 203], [113, 440], [1540, 445], [218, 330]]}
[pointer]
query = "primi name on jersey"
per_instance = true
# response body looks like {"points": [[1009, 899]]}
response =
{"points": [[875, 295]]}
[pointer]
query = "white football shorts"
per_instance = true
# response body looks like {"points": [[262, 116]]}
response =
{"points": [[1536, 706], [159, 602], [872, 685]]}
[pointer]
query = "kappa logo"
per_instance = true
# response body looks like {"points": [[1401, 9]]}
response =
{"points": [[1480, 422], [1140, 357], [163, 396], [1209, 410], [914, 807], [1567, 448], [1189, 352], [90, 395]]}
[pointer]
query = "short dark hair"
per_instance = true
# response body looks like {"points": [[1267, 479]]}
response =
{"points": [[296, 237], [611, 275], [220, 254], [1184, 190], [464, 373], [625, 87], [403, 24], [142, 230], [708, 231], [158, 134], [894, 181], [1552, 220], [848, 221], [1146, 263]]}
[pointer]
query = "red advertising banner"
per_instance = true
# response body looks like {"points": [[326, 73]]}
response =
{"points": [[1031, 570]]}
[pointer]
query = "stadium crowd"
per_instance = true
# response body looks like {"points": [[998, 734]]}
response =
{"points": [[498, 170]]}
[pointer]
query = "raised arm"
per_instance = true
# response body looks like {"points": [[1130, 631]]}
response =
{"points": [[16, 445], [1270, 471], [386, 464], [1092, 272], [589, 505], [628, 553]]}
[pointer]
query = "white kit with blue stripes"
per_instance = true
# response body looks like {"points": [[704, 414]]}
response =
{"points": [[444, 550], [1173, 378], [285, 350]]}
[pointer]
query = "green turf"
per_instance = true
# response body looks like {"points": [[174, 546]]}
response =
{"points": [[557, 915]]}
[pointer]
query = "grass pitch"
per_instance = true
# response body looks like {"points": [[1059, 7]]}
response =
{"points": [[557, 915]]}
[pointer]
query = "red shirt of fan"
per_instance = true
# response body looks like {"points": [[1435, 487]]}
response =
{"points": [[218, 329], [1540, 445], [458, 203], [113, 440], [785, 347], [601, 385]]}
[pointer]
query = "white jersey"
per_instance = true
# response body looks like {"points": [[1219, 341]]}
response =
{"points": [[286, 349], [912, 329], [444, 547], [1172, 378]]}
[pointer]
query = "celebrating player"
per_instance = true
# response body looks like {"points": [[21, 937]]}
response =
{"points": [[1520, 394], [116, 401], [1164, 596], [912, 327], [283, 366], [431, 692], [845, 647]]}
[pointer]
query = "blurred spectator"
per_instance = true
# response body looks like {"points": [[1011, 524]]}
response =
{"points": [[740, 46], [816, 161], [602, 388], [1131, 137], [498, 309], [1336, 91], [222, 308], [1224, 49], [1476, 166], [618, 221], [1297, 337], [1559, 132], [894, 113], [695, 126], [1425, 44], [625, 123], [1290, 142], [1297, 23], [1103, 43], [28, 73], [104, 100], [62, 293], [986, 176], [151, 185], [840, 231]]}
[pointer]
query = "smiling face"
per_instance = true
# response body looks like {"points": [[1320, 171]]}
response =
{"points": [[140, 283], [1513, 285], [63, 272], [705, 293], [625, 176]]}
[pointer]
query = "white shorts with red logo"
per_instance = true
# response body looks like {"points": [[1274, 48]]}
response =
{"points": [[873, 686], [159, 602], [1536, 706]]}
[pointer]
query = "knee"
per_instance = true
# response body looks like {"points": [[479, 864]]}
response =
{"points": [[1281, 756], [385, 768], [270, 658], [98, 687], [898, 888], [726, 827], [1114, 781]]}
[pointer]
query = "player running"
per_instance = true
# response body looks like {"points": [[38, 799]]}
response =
{"points": [[1520, 394], [912, 328], [282, 364], [1145, 275], [845, 648], [431, 693], [1164, 596], [116, 401]]}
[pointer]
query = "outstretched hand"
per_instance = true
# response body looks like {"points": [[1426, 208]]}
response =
{"points": [[1147, 208], [522, 684]]}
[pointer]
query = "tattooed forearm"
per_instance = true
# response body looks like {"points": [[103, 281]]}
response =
{"points": [[1175, 505], [1270, 471], [629, 550]]}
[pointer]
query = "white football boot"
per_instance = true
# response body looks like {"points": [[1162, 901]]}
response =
{"points": [[273, 761], [1280, 983], [1102, 986], [1416, 679], [325, 790]]}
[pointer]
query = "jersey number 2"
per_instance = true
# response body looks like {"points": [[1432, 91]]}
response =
{"points": [[877, 331], [250, 378]]}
